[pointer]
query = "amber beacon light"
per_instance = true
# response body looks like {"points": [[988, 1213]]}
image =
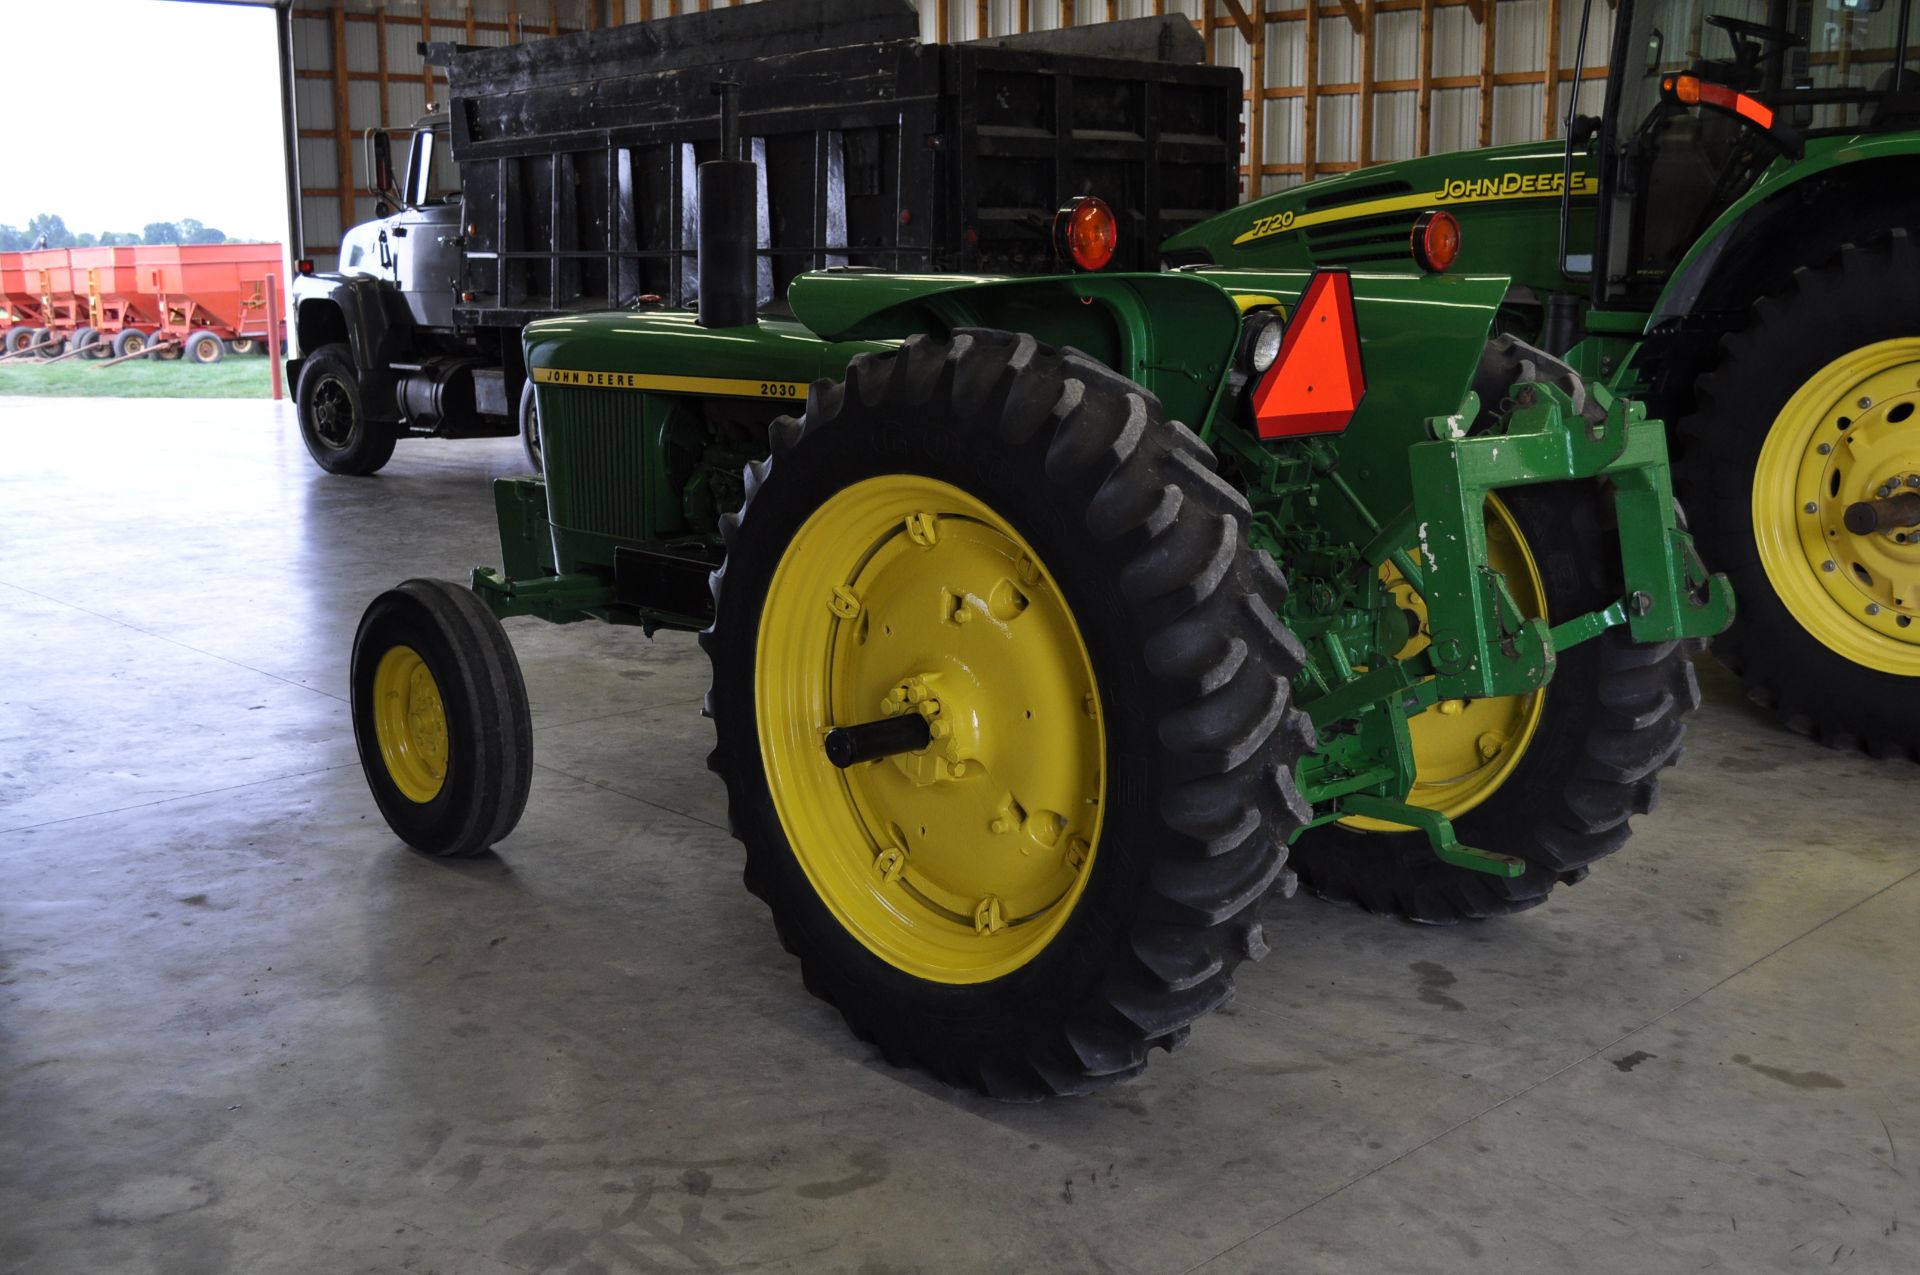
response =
{"points": [[1085, 232]]}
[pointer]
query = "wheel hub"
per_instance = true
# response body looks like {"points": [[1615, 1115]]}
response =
{"points": [[410, 723], [907, 597], [1834, 495]]}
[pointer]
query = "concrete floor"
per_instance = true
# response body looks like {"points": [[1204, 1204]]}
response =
{"points": [[242, 1029]]}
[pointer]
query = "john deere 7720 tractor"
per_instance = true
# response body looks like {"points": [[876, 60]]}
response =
{"points": [[1731, 240], [1057, 621]]}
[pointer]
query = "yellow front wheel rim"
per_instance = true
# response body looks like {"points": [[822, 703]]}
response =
{"points": [[1464, 750], [960, 862], [1849, 432], [410, 724]]}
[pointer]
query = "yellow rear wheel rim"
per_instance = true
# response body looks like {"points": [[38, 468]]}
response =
{"points": [[1852, 428], [958, 863], [1464, 750], [410, 724]]}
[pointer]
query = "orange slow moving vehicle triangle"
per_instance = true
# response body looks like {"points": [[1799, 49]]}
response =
{"points": [[1316, 383]]}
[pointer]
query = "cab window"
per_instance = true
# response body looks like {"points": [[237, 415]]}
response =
{"points": [[432, 176]]}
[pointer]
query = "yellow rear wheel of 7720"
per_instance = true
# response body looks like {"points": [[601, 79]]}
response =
{"points": [[1464, 750], [1849, 435]]}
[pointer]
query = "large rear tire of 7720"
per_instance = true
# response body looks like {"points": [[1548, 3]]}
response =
{"points": [[440, 717], [1552, 777], [1811, 411], [1015, 546], [333, 420]]}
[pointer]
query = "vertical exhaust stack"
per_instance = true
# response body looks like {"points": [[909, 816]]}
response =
{"points": [[729, 203]]}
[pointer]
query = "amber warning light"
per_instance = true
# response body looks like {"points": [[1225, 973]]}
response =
{"points": [[1317, 382], [1691, 90], [1086, 233]]}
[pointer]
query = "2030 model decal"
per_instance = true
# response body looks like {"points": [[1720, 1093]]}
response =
{"points": [[1455, 190], [718, 386]]}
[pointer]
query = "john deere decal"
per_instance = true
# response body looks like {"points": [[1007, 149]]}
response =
{"points": [[1455, 190]]}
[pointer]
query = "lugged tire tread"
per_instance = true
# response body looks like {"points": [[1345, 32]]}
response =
{"points": [[1195, 590]]}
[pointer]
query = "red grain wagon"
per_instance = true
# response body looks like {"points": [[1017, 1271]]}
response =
{"points": [[19, 304], [119, 311], [207, 294]]}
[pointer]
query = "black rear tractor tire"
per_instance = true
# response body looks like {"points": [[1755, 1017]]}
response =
{"points": [[1112, 517], [441, 719], [333, 418], [1830, 640], [530, 425], [1611, 720], [129, 341], [204, 348]]}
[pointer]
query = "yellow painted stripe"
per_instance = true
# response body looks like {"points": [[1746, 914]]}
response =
{"points": [[718, 386], [1280, 223]]}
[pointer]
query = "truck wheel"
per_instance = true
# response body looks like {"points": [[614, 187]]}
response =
{"points": [[162, 348], [242, 345], [333, 422], [1828, 630], [18, 339], [55, 343], [530, 424], [440, 717], [129, 341], [1009, 551], [1551, 777], [205, 347], [85, 339]]}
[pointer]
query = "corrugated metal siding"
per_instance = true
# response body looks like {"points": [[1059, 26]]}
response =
{"points": [[384, 83]]}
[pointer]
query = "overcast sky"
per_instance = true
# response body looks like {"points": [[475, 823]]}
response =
{"points": [[181, 111]]}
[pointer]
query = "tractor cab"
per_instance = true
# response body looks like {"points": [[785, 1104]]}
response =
{"points": [[1703, 96]]}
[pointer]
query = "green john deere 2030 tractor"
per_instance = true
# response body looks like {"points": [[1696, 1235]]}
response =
{"points": [[1057, 621], [1732, 241]]}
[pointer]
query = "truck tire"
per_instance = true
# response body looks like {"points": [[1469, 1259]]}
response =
{"points": [[86, 340], [18, 339], [1807, 413], [243, 345], [205, 347], [440, 718], [1067, 873], [1564, 769], [530, 424], [129, 341], [162, 348], [55, 343], [333, 421]]}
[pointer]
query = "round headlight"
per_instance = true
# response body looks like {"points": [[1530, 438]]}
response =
{"points": [[1260, 341]]}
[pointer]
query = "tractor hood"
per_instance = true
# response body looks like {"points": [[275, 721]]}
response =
{"points": [[1507, 199]]}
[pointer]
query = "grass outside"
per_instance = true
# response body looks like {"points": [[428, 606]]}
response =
{"points": [[236, 376]]}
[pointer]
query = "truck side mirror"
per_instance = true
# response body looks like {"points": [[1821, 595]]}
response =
{"points": [[380, 165], [1581, 135]]}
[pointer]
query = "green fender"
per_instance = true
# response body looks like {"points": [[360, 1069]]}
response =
{"points": [[1824, 155], [1174, 334]]}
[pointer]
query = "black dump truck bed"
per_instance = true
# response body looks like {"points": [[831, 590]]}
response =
{"points": [[578, 153]]}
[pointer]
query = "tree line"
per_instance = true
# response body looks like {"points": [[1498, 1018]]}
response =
{"points": [[51, 231]]}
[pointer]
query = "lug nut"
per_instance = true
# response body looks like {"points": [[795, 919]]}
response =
{"points": [[1813, 507], [1826, 449]]}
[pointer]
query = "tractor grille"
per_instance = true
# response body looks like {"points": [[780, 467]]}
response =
{"points": [[1364, 241], [593, 444]]}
